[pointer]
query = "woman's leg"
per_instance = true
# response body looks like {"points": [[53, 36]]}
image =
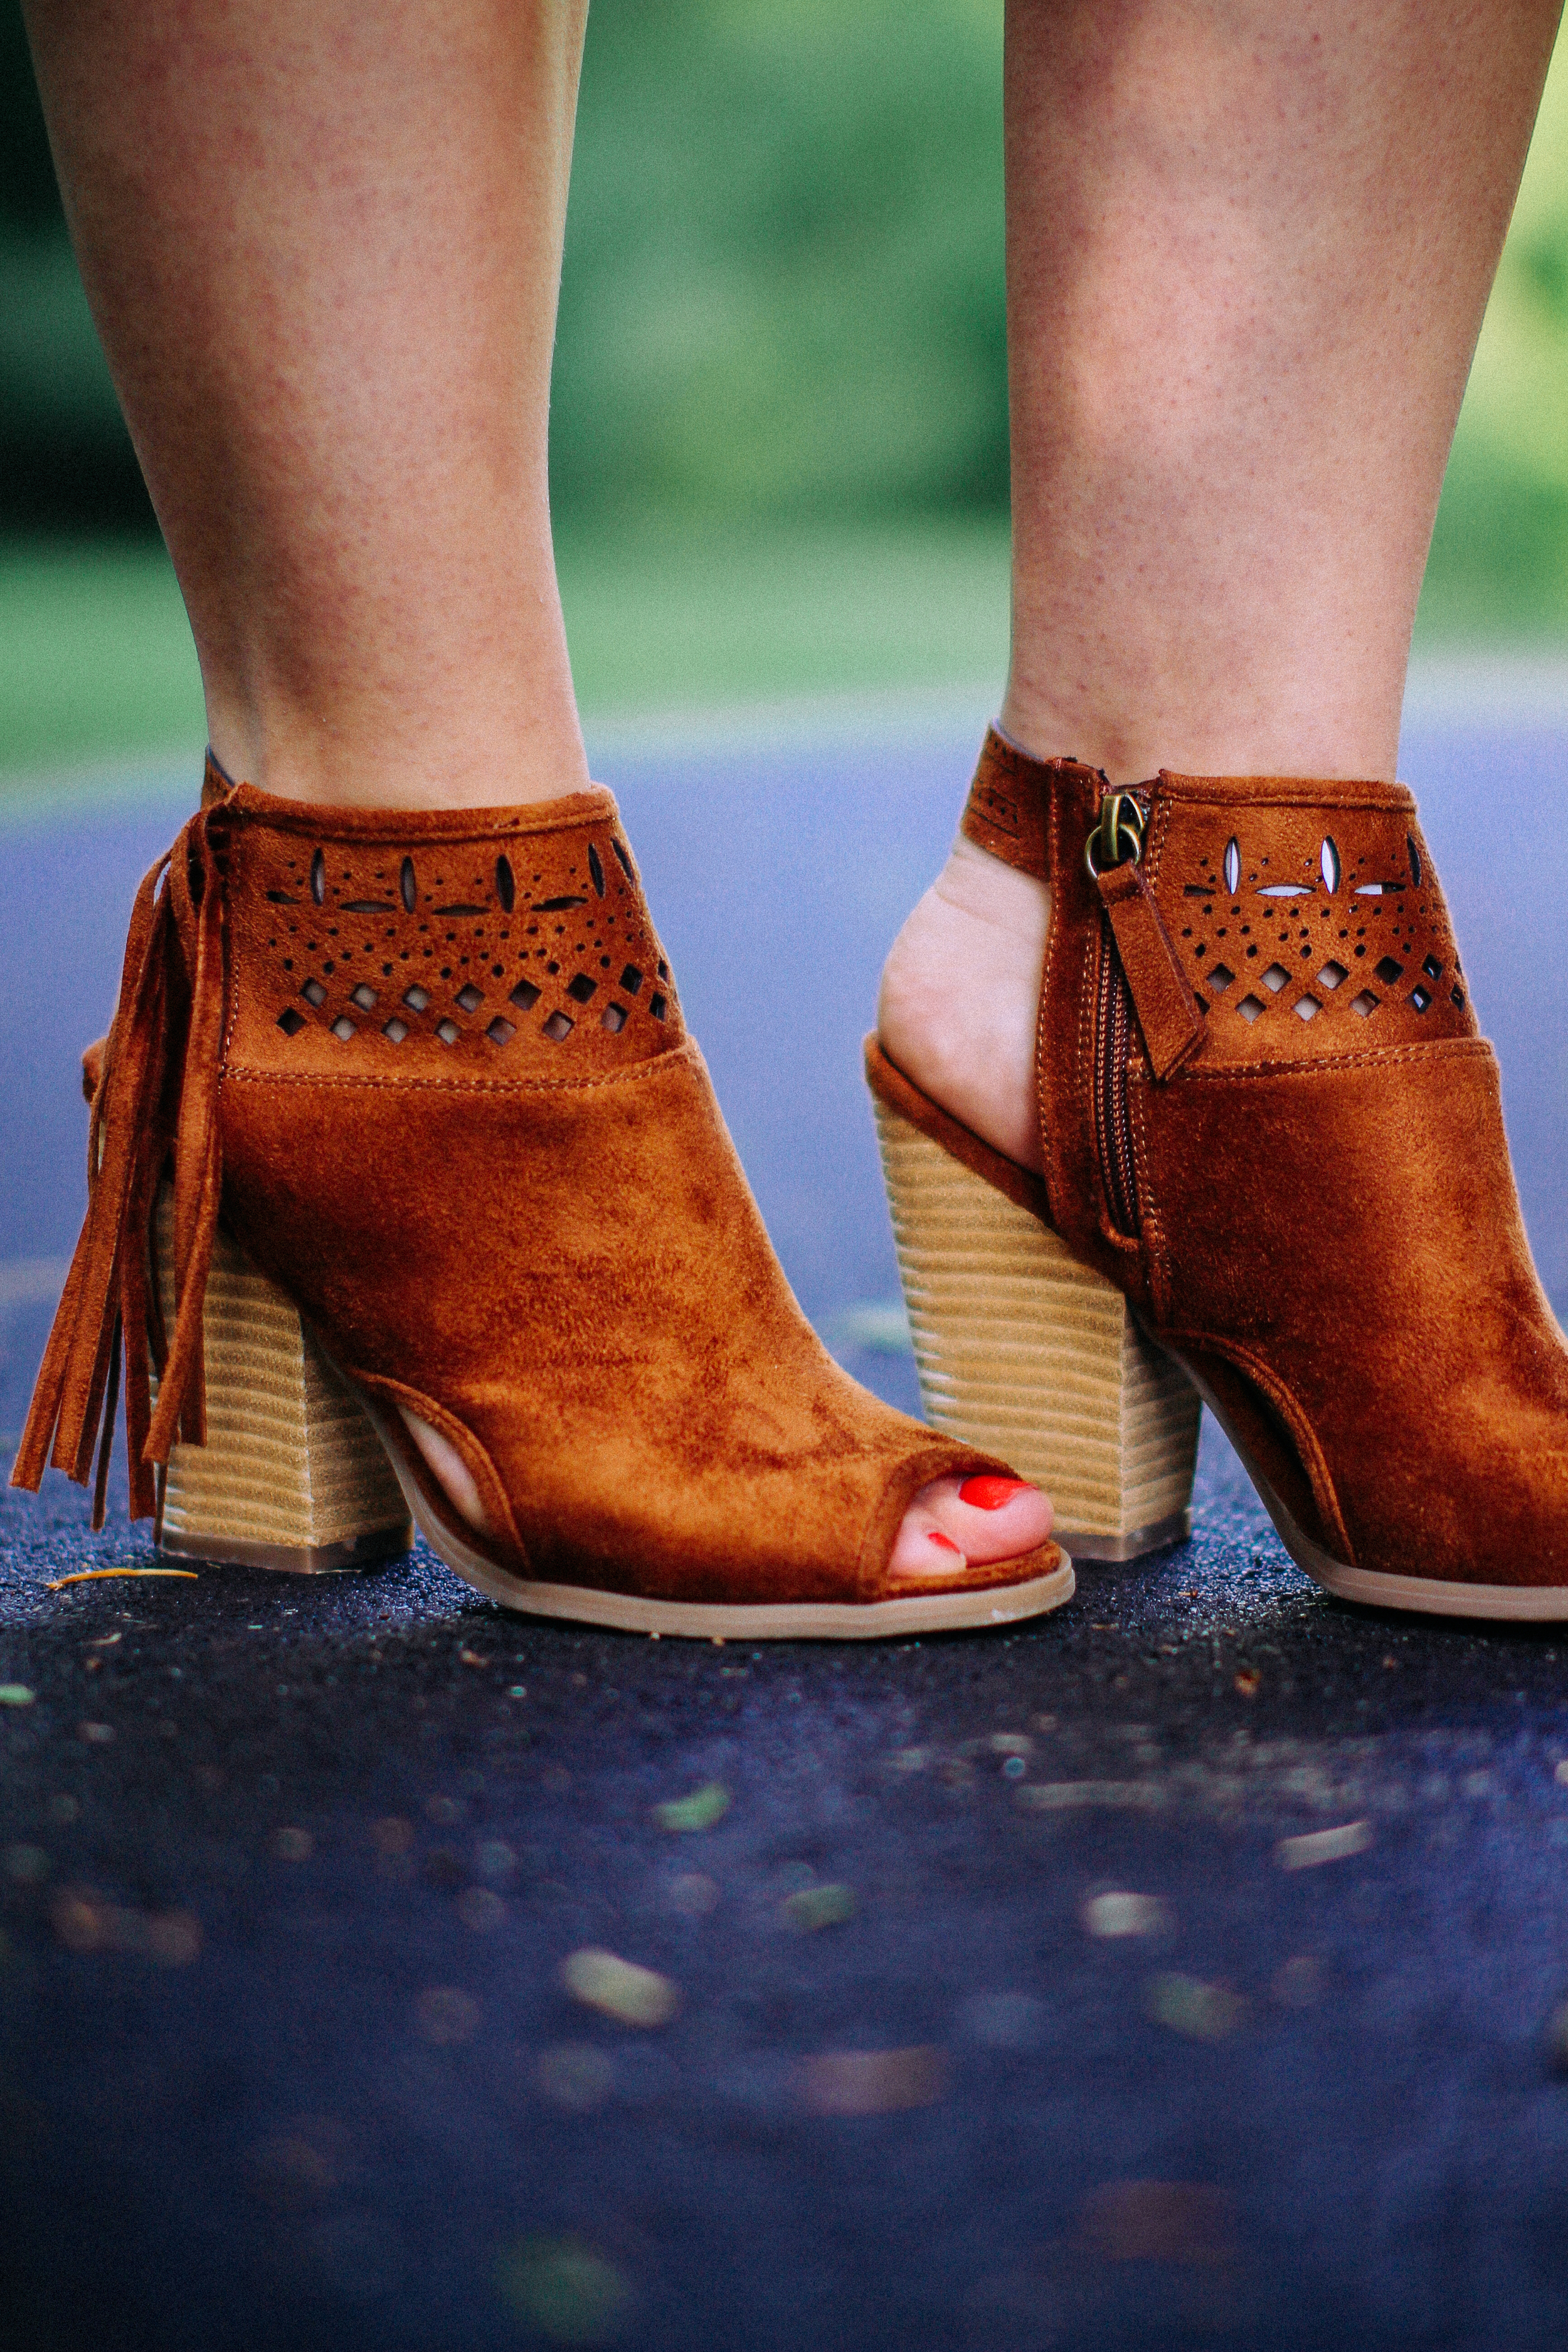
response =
{"points": [[322, 240], [1248, 250]]}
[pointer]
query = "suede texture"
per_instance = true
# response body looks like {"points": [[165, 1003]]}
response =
{"points": [[1326, 1222], [457, 1118]]}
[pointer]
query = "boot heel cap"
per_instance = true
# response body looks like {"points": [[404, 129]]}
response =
{"points": [[370, 1550], [1174, 1528]]}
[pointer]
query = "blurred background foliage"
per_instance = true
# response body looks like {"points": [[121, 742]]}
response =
{"points": [[779, 427]]}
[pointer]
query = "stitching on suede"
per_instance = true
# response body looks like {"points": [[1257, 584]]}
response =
{"points": [[457, 1434], [454, 826], [1151, 1220], [1289, 1408], [1043, 1104], [1163, 814], [250, 1076], [1196, 792], [1385, 1056]]}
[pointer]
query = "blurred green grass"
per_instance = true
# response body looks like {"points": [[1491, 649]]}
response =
{"points": [[778, 431]]}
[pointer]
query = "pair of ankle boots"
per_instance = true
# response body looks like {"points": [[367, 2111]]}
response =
{"points": [[398, 1112]]}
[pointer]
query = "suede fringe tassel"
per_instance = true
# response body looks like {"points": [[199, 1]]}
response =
{"points": [[159, 1094]]}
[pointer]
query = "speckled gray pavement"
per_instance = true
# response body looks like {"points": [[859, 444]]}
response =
{"points": [[1009, 2011]]}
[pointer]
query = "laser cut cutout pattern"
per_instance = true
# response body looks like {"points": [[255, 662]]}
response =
{"points": [[485, 963], [1309, 925]]}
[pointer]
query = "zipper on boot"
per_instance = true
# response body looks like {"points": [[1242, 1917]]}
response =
{"points": [[1114, 1117], [1139, 971], [1116, 840]]}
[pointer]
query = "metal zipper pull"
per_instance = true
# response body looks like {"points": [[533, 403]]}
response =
{"points": [[1117, 837], [1167, 1010]]}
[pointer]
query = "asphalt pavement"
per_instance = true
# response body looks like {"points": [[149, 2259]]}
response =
{"points": [[379, 1970]]}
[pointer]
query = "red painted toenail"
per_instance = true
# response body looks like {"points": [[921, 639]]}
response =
{"points": [[988, 1493], [935, 1535]]}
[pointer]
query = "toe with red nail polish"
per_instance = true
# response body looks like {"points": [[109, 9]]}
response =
{"points": [[975, 1520], [989, 1493]]}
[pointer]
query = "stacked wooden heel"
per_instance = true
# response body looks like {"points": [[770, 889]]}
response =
{"points": [[292, 1475], [1028, 1354]]}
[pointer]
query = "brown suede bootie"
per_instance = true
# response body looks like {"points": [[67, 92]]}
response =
{"points": [[1273, 1146], [431, 1071]]}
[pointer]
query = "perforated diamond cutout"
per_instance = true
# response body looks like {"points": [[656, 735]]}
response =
{"points": [[595, 870], [1366, 1004], [1275, 977], [525, 996], [559, 1026], [614, 1019], [500, 1032], [290, 1021], [1307, 1007], [313, 993], [470, 998], [657, 1006], [1432, 968], [415, 999], [395, 1030], [1329, 862], [1249, 1008], [623, 861], [408, 888], [1220, 979], [448, 1032], [581, 989], [1331, 975], [1457, 998], [365, 997], [1421, 998], [1388, 971], [1232, 865], [631, 980], [318, 877], [1414, 859], [343, 1027]]}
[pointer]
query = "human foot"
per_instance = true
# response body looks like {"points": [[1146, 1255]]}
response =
{"points": [[956, 1012], [961, 994]]}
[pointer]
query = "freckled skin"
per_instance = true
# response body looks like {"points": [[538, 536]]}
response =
{"points": [[1248, 252]]}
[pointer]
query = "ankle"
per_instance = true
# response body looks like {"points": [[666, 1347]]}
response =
{"points": [[484, 750], [960, 995]]}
